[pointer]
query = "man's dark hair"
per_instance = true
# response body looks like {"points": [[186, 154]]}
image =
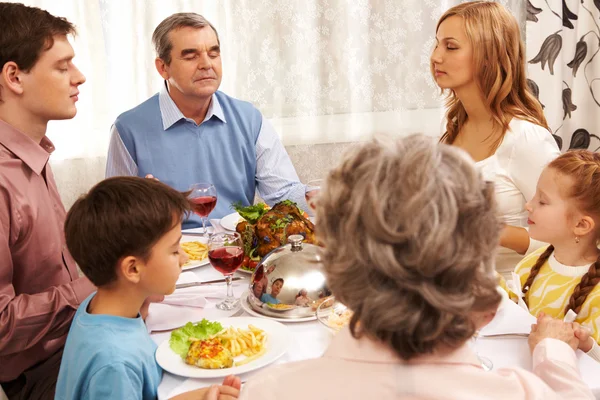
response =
{"points": [[26, 32]]}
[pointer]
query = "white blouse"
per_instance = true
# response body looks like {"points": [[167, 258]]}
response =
{"points": [[515, 169]]}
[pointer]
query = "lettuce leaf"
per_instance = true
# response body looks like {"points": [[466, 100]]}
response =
{"points": [[248, 239], [179, 340], [250, 213]]}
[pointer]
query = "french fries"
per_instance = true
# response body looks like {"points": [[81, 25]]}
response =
{"points": [[251, 358], [249, 342], [196, 251]]}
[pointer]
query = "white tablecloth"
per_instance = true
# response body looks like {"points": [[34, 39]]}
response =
{"points": [[310, 339]]}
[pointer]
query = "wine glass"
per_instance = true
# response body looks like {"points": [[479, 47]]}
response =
{"points": [[485, 362], [203, 199], [311, 193], [226, 254]]}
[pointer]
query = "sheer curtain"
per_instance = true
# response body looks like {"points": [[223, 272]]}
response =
{"points": [[85, 135], [323, 71]]}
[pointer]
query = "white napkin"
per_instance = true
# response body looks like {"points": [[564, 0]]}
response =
{"points": [[509, 319], [189, 297], [186, 298], [216, 223], [570, 316], [183, 305], [515, 287], [193, 384], [209, 229], [162, 317]]}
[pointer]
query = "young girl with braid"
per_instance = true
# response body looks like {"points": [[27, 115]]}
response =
{"points": [[565, 212]]}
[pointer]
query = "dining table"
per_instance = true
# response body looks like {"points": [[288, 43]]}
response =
{"points": [[503, 341]]}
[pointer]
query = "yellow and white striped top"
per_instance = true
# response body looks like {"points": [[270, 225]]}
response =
{"points": [[552, 288]]}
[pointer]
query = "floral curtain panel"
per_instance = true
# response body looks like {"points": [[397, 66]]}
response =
{"points": [[563, 41]]}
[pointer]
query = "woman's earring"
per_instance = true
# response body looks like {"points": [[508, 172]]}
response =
{"points": [[576, 239]]}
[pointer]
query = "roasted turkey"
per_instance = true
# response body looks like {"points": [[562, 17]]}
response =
{"points": [[273, 228]]}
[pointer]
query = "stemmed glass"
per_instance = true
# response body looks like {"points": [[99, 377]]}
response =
{"points": [[311, 193], [485, 362], [226, 254], [203, 198]]}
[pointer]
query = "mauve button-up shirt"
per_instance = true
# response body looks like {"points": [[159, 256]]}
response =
{"points": [[40, 287]]}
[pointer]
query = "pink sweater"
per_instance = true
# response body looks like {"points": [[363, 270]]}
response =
{"points": [[364, 369]]}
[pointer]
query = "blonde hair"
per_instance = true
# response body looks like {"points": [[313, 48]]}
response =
{"points": [[499, 60], [583, 168], [409, 232]]}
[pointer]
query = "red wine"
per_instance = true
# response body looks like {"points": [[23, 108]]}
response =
{"points": [[203, 205], [226, 259]]}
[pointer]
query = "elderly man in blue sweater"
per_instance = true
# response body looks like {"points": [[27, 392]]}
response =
{"points": [[191, 132]]}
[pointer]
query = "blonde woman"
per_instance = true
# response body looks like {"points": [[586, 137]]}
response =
{"points": [[409, 232], [479, 62]]}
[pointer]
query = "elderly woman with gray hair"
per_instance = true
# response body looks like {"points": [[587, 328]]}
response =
{"points": [[409, 232]]}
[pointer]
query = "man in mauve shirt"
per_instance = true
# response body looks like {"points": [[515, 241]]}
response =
{"points": [[40, 287]]}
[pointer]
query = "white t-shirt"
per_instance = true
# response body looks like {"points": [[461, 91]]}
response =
{"points": [[515, 169]]}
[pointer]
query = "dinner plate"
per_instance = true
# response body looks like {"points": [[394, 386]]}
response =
{"points": [[245, 271], [191, 264], [230, 221], [249, 310], [276, 346]]}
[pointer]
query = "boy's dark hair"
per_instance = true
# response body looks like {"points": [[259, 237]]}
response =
{"points": [[278, 279], [120, 217], [27, 32]]}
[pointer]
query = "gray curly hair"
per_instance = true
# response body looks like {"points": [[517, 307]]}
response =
{"points": [[409, 230]]}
